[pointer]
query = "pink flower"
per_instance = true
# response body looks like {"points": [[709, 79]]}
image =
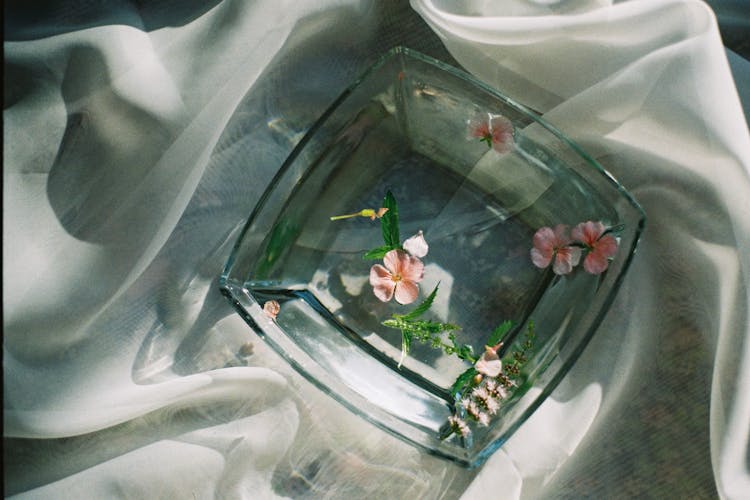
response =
{"points": [[399, 277], [554, 244], [272, 308], [495, 130], [489, 364], [601, 247], [416, 245]]}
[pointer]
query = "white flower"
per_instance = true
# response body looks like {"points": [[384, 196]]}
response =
{"points": [[417, 245], [483, 419], [480, 393], [473, 409], [492, 405], [459, 425]]}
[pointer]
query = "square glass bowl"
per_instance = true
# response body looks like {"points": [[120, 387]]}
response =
{"points": [[479, 174]]}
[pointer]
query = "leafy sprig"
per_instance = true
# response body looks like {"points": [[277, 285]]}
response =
{"points": [[512, 363], [498, 333], [427, 331], [389, 228]]}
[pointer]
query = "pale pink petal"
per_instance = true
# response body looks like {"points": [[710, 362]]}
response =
{"points": [[595, 263], [406, 292], [479, 126], [394, 260], [382, 284], [412, 269], [566, 259], [502, 134], [575, 255], [541, 258], [544, 240], [417, 245], [607, 245], [489, 364], [588, 232], [549, 243], [563, 262]]}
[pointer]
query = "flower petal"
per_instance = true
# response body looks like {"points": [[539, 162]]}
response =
{"points": [[588, 232], [544, 240], [394, 260], [502, 134], [412, 269], [541, 258], [382, 284], [417, 245], [575, 255], [595, 263], [479, 126], [607, 245], [563, 263], [406, 292]]}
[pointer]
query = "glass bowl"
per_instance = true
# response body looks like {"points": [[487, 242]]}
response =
{"points": [[480, 176]]}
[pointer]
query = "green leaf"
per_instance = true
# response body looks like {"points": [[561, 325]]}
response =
{"points": [[462, 381], [421, 308], [377, 253], [389, 222], [405, 345], [497, 335], [279, 242]]}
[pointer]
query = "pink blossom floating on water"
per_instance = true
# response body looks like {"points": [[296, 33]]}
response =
{"points": [[601, 247], [271, 308], [495, 130], [555, 245], [398, 278]]}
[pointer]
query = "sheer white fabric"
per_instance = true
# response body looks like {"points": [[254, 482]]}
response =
{"points": [[645, 86], [128, 375]]}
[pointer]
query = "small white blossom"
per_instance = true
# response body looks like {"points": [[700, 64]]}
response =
{"points": [[459, 425], [483, 419], [480, 393], [473, 409], [492, 405]]}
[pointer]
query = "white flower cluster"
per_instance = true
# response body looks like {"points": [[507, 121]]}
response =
{"points": [[482, 403]]}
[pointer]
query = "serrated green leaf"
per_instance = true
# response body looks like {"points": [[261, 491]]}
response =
{"points": [[421, 308], [377, 253], [389, 222], [497, 335], [462, 381]]}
